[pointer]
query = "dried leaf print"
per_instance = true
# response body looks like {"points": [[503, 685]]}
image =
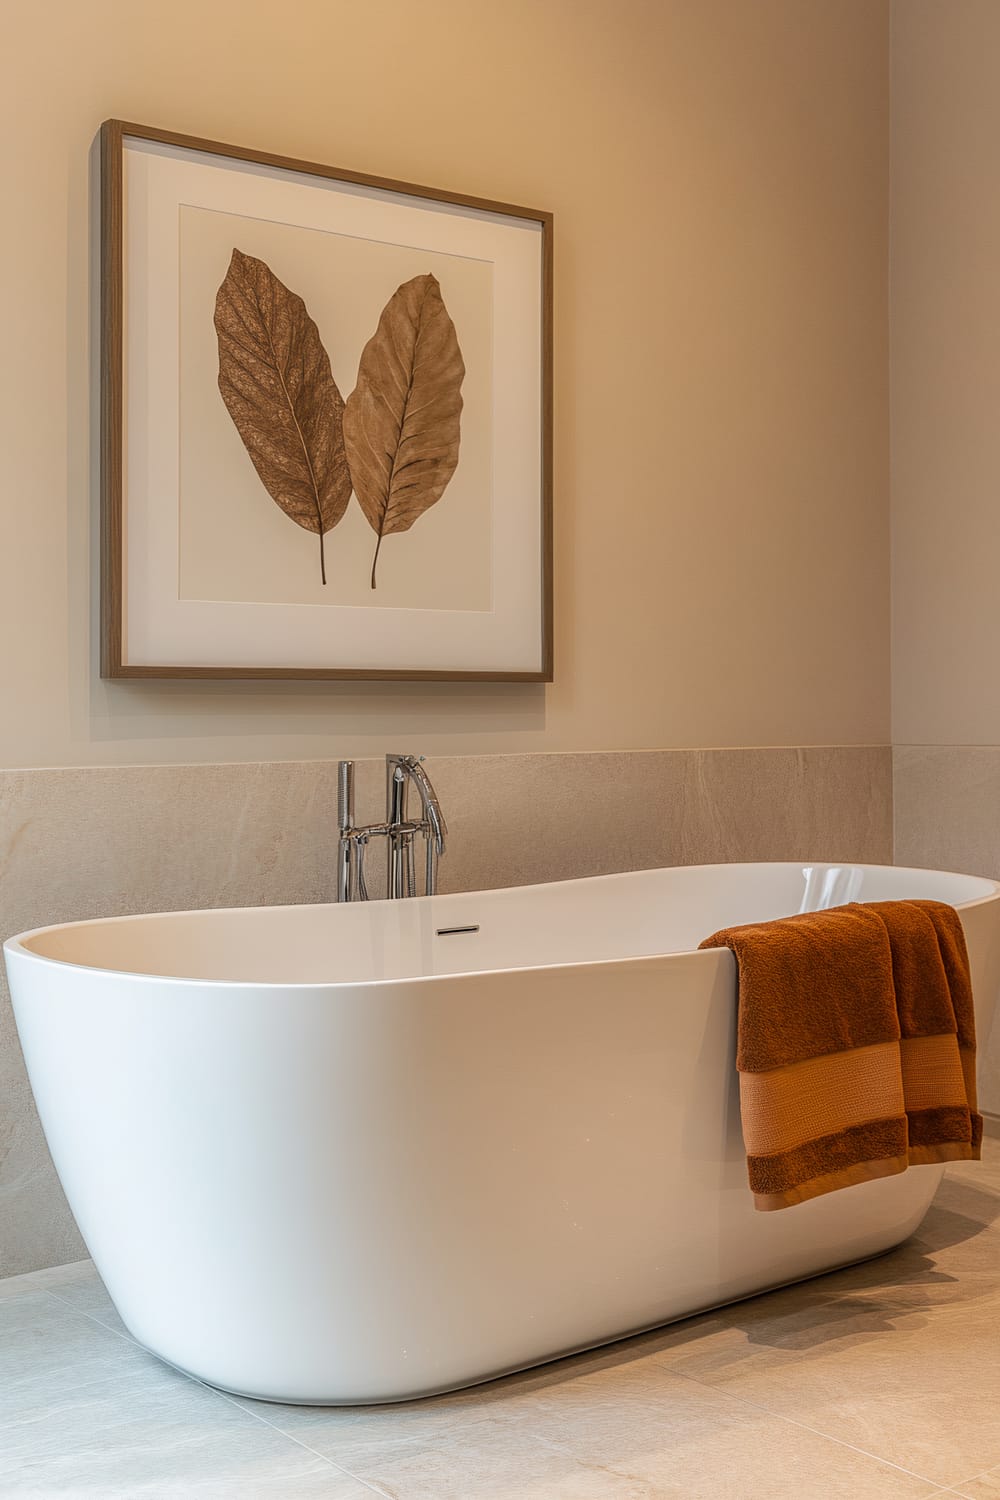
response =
{"points": [[401, 423], [275, 378]]}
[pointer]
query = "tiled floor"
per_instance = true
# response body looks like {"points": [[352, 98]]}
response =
{"points": [[883, 1380]]}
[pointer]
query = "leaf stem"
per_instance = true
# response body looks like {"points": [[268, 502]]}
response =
{"points": [[322, 558], [375, 558]]}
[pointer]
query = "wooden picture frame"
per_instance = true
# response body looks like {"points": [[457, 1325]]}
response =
{"points": [[223, 424]]}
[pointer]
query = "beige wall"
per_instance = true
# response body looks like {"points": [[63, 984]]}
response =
{"points": [[718, 172], [946, 371], [945, 280]]}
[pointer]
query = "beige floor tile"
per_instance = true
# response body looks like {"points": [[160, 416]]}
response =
{"points": [[85, 1414], [961, 1235], [47, 1351], [79, 1286], [16, 1286], [249, 1475], [983, 1487], [55, 1276], [919, 1274], [683, 1441], [348, 1433], [919, 1386], [985, 1172], [897, 1356]]}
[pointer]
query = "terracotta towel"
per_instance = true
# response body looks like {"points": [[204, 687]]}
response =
{"points": [[856, 1046]]}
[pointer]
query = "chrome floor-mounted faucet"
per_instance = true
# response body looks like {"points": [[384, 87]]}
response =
{"points": [[399, 831]]}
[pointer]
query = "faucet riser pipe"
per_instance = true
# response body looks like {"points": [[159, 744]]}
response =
{"points": [[345, 822]]}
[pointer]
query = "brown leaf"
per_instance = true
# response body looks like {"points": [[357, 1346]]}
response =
{"points": [[275, 378], [401, 423]]}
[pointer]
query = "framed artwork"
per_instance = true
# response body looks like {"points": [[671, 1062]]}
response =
{"points": [[326, 421]]}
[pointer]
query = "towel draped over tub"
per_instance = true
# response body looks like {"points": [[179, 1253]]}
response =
{"points": [[856, 1046]]}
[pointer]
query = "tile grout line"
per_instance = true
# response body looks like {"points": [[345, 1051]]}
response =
{"points": [[971, 1478], [93, 1318], [861, 1452], [805, 1427], [590, 1467], [554, 1445], [127, 1338], [339, 1468]]}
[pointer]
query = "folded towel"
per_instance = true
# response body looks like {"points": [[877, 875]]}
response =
{"points": [[856, 1046]]}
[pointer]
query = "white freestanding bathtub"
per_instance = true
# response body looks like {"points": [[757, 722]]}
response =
{"points": [[341, 1154]]}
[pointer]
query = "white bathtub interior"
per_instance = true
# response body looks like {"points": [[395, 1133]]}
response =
{"points": [[599, 919]]}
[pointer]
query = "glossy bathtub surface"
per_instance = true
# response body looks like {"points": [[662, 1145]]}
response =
{"points": [[328, 1154]]}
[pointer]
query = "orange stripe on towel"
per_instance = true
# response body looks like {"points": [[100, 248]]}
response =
{"points": [[968, 1056], [932, 1072], [786, 1107]]}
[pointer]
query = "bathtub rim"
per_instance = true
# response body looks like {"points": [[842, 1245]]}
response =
{"points": [[18, 944]]}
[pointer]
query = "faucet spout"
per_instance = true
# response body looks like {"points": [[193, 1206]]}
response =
{"points": [[429, 803]]}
